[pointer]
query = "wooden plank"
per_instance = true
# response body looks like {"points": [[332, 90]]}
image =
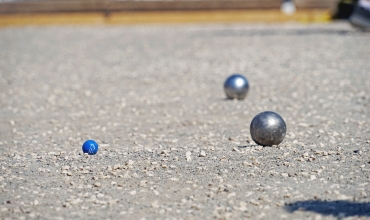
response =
{"points": [[307, 4], [192, 5], [167, 17], [224, 16], [57, 6], [44, 19], [47, 6]]}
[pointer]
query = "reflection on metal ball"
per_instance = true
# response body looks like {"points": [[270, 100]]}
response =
{"points": [[268, 128], [236, 87]]}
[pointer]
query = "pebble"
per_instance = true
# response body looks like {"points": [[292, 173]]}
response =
{"points": [[155, 204], [99, 195], [130, 163], [188, 156], [202, 154], [231, 195]]}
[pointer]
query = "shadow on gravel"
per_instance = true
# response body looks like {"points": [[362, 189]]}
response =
{"points": [[246, 146], [339, 208]]}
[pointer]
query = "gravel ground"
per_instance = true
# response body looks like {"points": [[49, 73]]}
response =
{"points": [[170, 145]]}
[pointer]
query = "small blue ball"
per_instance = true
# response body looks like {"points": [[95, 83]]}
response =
{"points": [[236, 87], [90, 147]]}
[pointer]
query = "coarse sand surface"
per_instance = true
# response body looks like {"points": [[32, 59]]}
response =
{"points": [[171, 146]]}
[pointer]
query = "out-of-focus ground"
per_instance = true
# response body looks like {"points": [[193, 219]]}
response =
{"points": [[171, 145]]}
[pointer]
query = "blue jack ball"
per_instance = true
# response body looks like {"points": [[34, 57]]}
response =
{"points": [[90, 147], [236, 87]]}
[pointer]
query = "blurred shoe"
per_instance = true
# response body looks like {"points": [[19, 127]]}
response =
{"points": [[287, 7], [360, 18], [344, 9]]}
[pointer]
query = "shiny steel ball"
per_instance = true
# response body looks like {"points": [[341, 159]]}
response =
{"points": [[236, 87], [268, 128]]}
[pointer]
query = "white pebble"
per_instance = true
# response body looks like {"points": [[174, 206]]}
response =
{"points": [[202, 154], [188, 156]]}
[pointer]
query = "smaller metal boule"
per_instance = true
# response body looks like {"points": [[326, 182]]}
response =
{"points": [[236, 87], [268, 128]]}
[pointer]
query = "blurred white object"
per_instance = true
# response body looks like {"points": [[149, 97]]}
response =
{"points": [[288, 7]]}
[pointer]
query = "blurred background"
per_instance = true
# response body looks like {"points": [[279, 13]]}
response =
{"points": [[23, 12]]}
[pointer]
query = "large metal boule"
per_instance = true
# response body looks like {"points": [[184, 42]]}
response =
{"points": [[268, 128]]}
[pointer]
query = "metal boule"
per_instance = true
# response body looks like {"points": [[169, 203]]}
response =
{"points": [[236, 87], [268, 128]]}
